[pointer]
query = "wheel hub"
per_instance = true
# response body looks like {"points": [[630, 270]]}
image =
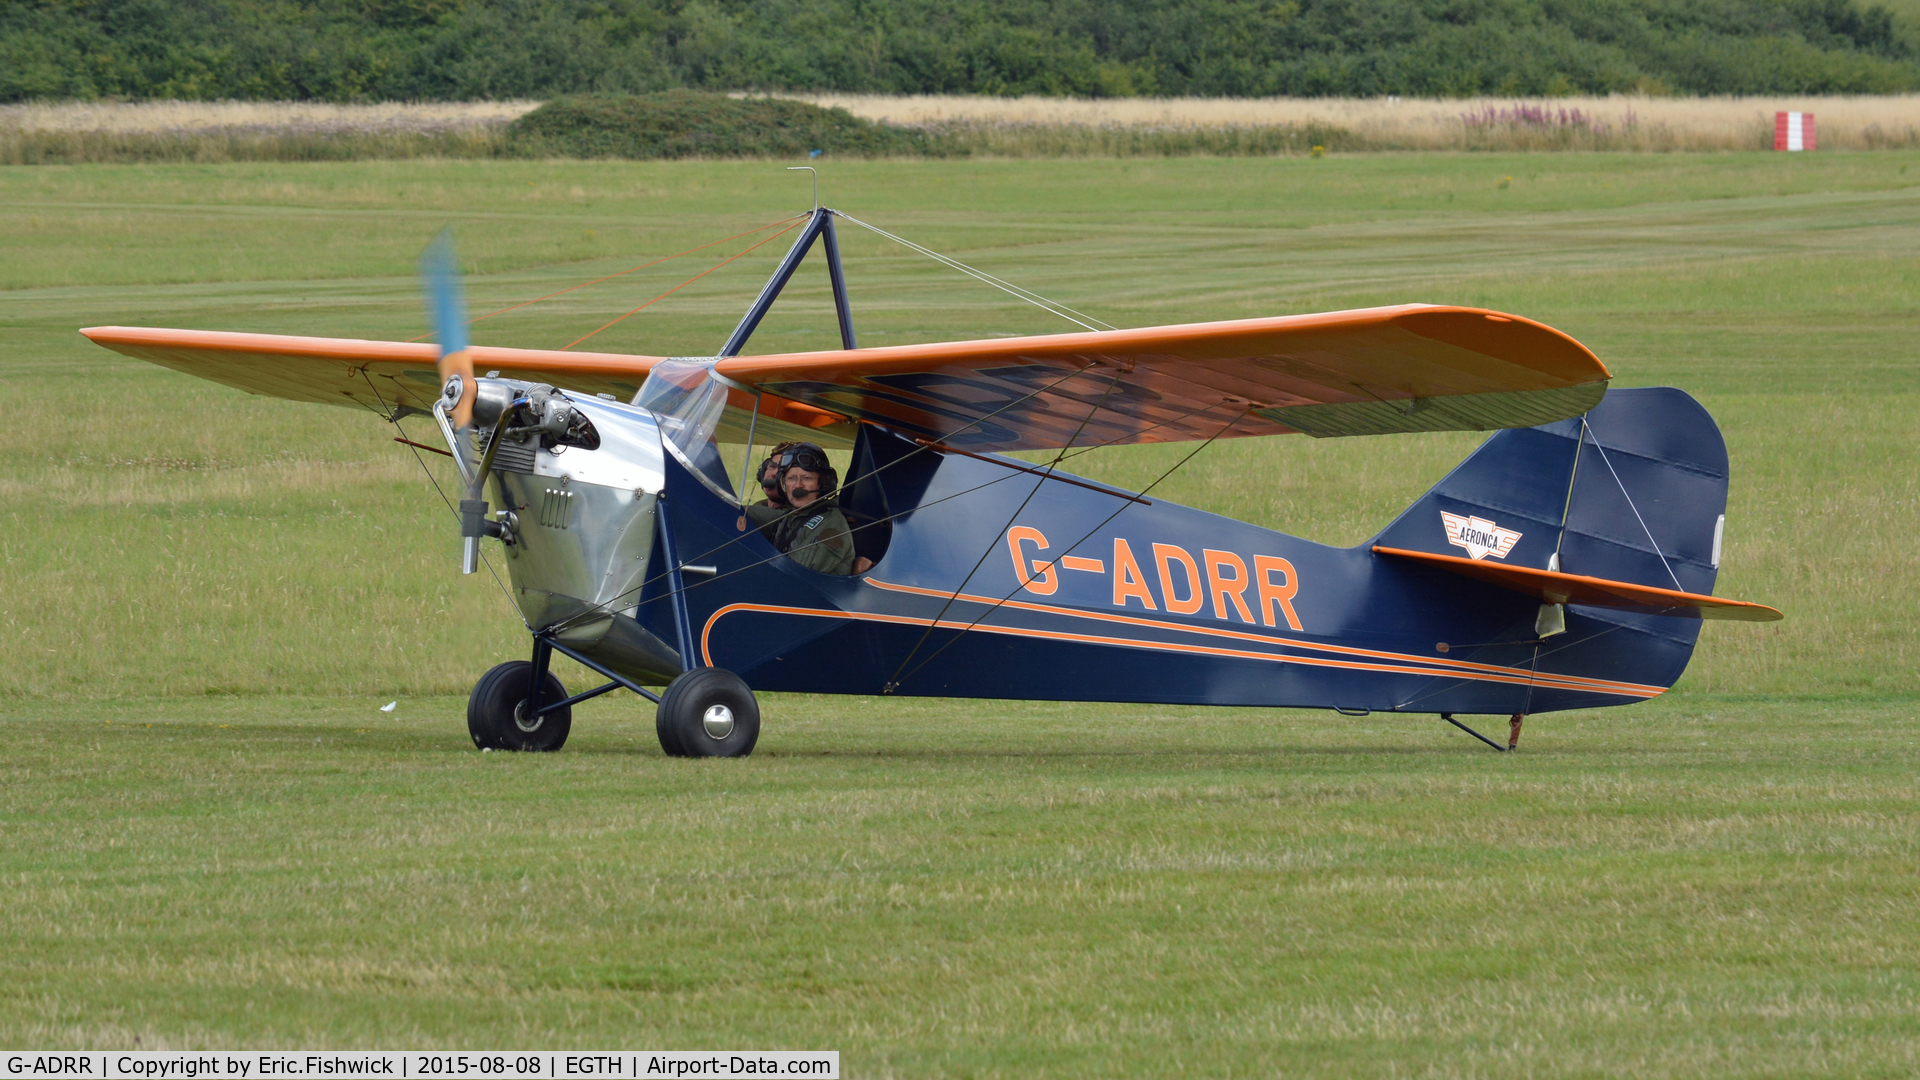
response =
{"points": [[520, 719], [718, 721]]}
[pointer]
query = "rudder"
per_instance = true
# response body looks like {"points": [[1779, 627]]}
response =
{"points": [[1633, 491]]}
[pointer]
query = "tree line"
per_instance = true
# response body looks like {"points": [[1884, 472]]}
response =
{"points": [[373, 50]]}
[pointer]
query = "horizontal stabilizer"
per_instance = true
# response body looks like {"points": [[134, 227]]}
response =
{"points": [[1557, 588]]}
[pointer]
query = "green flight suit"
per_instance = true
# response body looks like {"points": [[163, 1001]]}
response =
{"points": [[817, 537]]}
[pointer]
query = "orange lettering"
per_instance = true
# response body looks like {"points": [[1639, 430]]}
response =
{"points": [[1271, 594], [1164, 554], [1224, 588], [1127, 579], [1042, 581]]}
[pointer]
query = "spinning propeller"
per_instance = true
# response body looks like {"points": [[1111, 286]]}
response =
{"points": [[447, 311]]}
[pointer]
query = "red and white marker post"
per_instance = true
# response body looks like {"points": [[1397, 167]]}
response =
{"points": [[1793, 131]]}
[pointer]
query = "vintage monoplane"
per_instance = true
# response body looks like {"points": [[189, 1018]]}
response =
{"points": [[1567, 563]]}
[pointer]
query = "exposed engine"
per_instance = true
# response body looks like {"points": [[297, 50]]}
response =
{"points": [[578, 482]]}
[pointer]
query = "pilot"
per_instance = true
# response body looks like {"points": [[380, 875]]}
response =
{"points": [[809, 528]]}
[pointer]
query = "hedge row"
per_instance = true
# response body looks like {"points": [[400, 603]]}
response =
{"points": [[356, 50]]}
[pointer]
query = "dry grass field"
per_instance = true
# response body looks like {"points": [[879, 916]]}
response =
{"points": [[192, 117], [1018, 127], [1612, 123]]}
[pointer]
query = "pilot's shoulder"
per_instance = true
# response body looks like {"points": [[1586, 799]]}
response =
{"points": [[829, 519]]}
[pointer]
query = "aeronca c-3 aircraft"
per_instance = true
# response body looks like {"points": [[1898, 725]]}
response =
{"points": [[1567, 563]]}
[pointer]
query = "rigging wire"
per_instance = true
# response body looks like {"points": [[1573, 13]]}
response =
{"points": [[995, 606], [1538, 655], [1015, 290], [1009, 475], [610, 277], [1054, 307], [894, 680], [1566, 511], [917, 451], [689, 281], [392, 417], [1533, 665], [1584, 426], [689, 586]]}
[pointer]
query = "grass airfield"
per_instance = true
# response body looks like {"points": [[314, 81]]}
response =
{"points": [[214, 838]]}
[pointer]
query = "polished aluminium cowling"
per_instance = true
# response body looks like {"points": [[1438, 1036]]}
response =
{"points": [[583, 528]]}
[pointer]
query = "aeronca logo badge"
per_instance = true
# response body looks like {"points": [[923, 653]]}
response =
{"points": [[1479, 536]]}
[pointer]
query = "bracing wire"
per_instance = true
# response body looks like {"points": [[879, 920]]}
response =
{"points": [[995, 542], [1010, 475], [894, 683], [601, 609], [1022, 293], [1539, 653], [392, 418], [1054, 307], [1636, 510], [1566, 511], [684, 284], [610, 277]]}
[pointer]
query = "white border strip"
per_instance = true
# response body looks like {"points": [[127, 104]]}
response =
{"points": [[416, 1065]]}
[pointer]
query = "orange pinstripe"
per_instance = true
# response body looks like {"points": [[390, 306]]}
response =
{"points": [[1399, 663], [1570, 682]]}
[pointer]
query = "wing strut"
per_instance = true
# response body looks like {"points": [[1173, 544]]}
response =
{"points": [[819, 227]]}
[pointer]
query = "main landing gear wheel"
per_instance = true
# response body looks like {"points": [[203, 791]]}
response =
{"points": [[497, 711], [708, 712]]}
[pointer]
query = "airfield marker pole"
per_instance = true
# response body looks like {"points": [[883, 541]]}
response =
{"points": [[1448, 717]]}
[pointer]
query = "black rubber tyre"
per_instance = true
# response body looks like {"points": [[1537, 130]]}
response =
{"points": [[708, 712], [669, 738], [494, 711]]}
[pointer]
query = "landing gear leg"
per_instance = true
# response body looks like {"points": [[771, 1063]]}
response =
{"points": [[537, 677]]}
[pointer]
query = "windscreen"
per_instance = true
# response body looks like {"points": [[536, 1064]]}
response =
{"points": [[687, 402]]}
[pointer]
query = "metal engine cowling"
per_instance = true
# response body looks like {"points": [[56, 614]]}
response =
{"points": [[583, 513]]}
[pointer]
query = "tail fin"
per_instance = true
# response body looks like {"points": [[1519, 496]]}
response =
{"points": [[1633, 494]]}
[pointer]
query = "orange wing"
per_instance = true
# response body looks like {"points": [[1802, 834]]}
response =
{"points": [[382, 375], [1367, 372]]}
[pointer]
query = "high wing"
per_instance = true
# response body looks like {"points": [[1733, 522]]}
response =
{"points": [[1372, 371], [385, 375], [1365, 372]]}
